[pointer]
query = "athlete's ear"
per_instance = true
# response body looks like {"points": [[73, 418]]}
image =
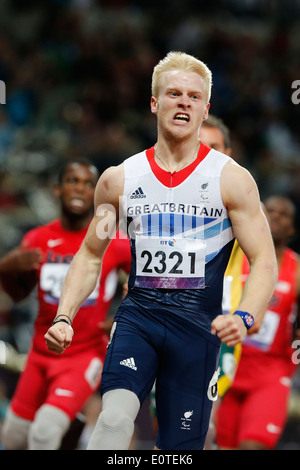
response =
{"points": [[205, 115], [154, 105]]}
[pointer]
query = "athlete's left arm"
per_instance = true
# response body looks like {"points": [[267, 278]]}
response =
{"points": [[251, 229]]}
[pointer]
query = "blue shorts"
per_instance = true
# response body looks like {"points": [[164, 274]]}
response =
{"points": [[153, 341]]}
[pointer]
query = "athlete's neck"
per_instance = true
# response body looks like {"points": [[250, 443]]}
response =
{"points": [[279, 250], [174, 155], [74, 222]]}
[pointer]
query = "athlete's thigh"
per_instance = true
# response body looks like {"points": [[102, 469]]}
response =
{"points": [[265, 413], [73, 380], [31, 388], [132, 360], [228, 420], [185, 388]]}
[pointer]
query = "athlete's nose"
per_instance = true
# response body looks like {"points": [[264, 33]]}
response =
{"points": [[80, 187], [184, 101]]}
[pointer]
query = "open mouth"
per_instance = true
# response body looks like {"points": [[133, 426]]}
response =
{"points": [[182, 117], [77, 202]]}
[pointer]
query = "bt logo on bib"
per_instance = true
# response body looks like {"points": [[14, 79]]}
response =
{"points": [[168, 242]]}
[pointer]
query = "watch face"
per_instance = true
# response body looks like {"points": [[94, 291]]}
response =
{"points": [[249, 320]]}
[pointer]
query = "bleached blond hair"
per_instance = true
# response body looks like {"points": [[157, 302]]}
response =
{"points": [[176, 60]]}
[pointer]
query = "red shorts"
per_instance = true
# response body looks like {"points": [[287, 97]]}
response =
{"points": [[255, 407], [64, 382]]}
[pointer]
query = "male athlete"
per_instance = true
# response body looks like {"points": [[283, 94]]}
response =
{"points": [[52, 389], [184, 205], [254, 410]]}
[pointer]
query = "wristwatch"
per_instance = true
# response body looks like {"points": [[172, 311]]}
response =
{"points": [[247, 318]]}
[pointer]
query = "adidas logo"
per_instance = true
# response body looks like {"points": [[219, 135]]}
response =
{"points": [[138, 194], [129, 363]]}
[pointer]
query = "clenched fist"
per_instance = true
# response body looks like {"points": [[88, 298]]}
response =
{"points": [[59, 337], [229, 328]]}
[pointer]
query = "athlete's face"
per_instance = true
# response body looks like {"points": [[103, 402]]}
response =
{"points": [[77, 188], [213, 137], [281, 218], [181, 104]]}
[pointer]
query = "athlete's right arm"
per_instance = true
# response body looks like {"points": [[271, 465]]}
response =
{"points": [[86, 265]]}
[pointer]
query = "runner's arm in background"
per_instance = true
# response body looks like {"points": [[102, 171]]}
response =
{"points": [[18, 271]]}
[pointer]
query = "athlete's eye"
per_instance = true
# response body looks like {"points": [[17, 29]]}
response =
{"points": [[71, 180], [173, 93]]}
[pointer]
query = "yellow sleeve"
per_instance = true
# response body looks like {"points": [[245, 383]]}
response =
{"points": [[234, 271]]}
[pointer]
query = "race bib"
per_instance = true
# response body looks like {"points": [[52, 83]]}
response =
{"points": [[267, 331], [170, 263], [52, 279]]}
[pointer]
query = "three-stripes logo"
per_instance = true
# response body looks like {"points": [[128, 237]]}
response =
{"points": [[129, 363], [137, 194]]}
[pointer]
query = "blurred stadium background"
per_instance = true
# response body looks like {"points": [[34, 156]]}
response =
{"points": [[78, 75]]}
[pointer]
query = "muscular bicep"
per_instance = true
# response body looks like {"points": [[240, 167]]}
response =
{"points": [[249, 223], [252, 232]]}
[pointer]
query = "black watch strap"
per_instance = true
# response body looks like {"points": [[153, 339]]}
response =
{"points": [[61, 319]]}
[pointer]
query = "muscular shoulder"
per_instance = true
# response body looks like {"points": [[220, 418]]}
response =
{"points": [[110, 185], [237, 185]]}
